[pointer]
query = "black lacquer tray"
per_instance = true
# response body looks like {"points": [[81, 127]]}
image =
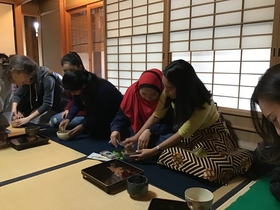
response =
{"points": [[166, 204], [110, 175], [22, 142]]}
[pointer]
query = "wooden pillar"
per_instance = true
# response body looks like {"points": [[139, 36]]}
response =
{"points": [[19, 29]]}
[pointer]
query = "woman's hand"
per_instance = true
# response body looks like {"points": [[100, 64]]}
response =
{"points": [[13, 124], [75, 131], [115, 135], [21, 121], [64, 114], [144, 139], [144, 153], [62, 126], [17, 115], [15, 119], [129, 142]]}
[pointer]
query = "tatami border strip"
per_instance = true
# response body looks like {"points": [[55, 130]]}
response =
{"points": [[10, 181], [227, 196]]}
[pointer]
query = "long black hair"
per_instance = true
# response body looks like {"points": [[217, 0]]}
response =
{"points": [[191, 93], [5, 71], [268, 88], [3, 56], [22, 64], [73, 59], [74, 80]]}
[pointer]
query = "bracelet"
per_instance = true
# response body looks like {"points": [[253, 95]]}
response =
{"points": [[158, 148]]}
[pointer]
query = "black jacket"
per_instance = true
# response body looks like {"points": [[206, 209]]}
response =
{"points": [[101, 100]]}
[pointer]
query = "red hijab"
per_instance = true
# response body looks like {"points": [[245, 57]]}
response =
{"points": [[136, 108]]}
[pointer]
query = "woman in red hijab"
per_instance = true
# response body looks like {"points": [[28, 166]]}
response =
{"points": [[138, 104]]}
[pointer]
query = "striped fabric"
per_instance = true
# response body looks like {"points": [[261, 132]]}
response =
{"points": [[211, 154]]}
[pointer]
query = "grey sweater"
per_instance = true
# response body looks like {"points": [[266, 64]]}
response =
{"points": [[45, 93]]}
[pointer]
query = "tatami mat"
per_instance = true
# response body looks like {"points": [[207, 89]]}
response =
{"points": [[66, 189], [225, 192], [256, 196], [17, 163], [235, 196], [59, 183], [219, 193]]}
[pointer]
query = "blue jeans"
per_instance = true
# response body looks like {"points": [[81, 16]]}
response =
{"points": [[56, 119]]}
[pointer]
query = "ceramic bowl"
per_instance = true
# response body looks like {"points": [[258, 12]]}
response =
{"points": [[63, 135], [126, 154], [137, 185], [32, 131]]}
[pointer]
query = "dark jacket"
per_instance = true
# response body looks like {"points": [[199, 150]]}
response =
{"points": [[45, 93], [106, 102]]}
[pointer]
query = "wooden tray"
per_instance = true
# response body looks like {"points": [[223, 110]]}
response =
{"points": [[21, 142], [110, 175]]}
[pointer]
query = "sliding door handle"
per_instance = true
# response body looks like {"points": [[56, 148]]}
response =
{"points": [[273, 52], [169, 57]]}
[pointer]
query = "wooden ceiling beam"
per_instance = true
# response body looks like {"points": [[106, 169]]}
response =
{"points": [[20, 2], [16, 2], [7, 1]]}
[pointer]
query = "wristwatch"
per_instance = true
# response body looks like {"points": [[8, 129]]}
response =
{"points": [[158, 148]]}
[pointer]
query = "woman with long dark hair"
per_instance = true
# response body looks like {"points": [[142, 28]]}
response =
{"points": [[100, 98], [42, 94], [202, 144], [9, 76], [73, 61], [266, 97]]}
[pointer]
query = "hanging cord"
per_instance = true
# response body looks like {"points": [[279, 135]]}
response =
{"points": [[36, 94], [30, 97]]}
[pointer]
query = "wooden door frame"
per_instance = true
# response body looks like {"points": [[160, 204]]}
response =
{"points": [[90, 52], [38, 18], [65, 21]]}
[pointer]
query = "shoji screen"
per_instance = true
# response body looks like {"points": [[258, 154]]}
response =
{"points": [[97, 40], [134, 39], [80, 35], [227, 42]]}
